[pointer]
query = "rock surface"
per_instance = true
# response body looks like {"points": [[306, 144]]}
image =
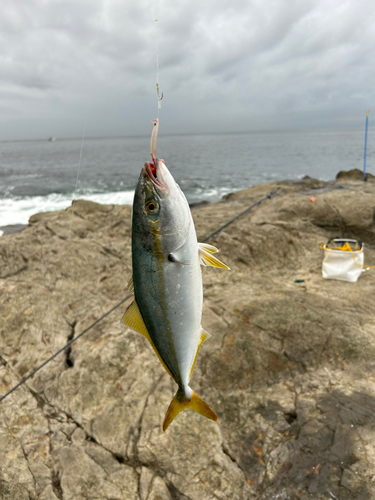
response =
{"points": [[290, 367], [354, 175]]}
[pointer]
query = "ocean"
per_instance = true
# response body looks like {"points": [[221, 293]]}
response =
{"points": [[39, 176]]}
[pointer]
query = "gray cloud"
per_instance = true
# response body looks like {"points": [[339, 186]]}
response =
{"points": [[223, 66]]}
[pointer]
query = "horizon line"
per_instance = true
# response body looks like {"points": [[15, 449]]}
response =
{"points": [[138, 136]]}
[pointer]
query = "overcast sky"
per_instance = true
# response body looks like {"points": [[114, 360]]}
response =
{"points": [[233, 65]]}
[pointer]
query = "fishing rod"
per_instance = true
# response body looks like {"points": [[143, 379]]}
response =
{"points": [[71, 342], [268, 195], [64, 348]]}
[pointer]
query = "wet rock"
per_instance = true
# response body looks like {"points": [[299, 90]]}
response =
{"points": [[12, 228]]}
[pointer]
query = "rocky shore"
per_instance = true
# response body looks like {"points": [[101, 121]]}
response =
{"points": [[290, 367]]}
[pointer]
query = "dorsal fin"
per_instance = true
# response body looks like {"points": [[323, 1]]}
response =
{"points": [[133, 319]]}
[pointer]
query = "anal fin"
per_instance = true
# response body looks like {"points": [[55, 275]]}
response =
{"points": [[204, 335], [133, 319]]}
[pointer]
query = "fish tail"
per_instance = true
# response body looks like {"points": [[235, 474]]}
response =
{"points": [[180, 402]]}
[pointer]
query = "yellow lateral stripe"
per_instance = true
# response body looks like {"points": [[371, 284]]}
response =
{"points": [[133, 319]]}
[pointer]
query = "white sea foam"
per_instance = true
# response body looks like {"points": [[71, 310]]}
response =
{"points": [[19, 210], [209, 194]]}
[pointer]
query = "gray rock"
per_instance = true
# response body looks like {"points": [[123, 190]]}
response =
{"points": [[289, 368]]}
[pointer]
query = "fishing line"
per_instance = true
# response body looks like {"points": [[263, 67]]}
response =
{"points": [[241, 213], [83, 136], [157, 64], [265, 197], [80, 158], [153, 151], [160, 97], [65, 347], [87, 112]]}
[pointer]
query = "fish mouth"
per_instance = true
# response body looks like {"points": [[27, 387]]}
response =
{"points": [[154, 172]]}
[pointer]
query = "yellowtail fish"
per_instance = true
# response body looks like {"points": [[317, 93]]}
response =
{"points": [[167, 281]]}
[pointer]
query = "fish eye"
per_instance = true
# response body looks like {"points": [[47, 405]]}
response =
{"points": [[152, 206]]}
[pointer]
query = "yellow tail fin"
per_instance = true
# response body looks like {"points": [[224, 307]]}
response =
{"points": [[180, 402]]}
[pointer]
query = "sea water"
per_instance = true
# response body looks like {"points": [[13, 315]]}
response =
{"points": [[39, 176]]}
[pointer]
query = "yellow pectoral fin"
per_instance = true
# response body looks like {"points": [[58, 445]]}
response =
{"points": [[180, 402], [208, 259], [204, 335], [133, 319], [208, 248]]}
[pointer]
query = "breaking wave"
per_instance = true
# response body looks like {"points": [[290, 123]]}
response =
{"points": [[18, 210]]}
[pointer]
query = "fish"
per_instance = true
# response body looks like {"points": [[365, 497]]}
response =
{"points": [[167, 281]]}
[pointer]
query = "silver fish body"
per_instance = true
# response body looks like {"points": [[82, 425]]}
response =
{"points": [[167, 281]]}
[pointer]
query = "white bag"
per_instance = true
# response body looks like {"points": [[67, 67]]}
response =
{"points": [[343, 259]]}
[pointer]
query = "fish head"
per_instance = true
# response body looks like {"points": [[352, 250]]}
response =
{"points": [[161, 213]]}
